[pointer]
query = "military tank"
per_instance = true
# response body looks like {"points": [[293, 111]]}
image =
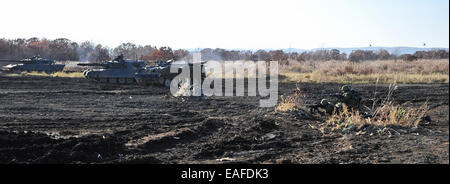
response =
{"points": [[161, 75], [117, 71], [32, 64]]}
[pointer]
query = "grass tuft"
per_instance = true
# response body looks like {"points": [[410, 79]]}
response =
{"points": [[386, 115], [292, 102]]}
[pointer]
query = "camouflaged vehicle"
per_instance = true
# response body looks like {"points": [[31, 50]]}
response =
{"points": [[161, 75], [117, 71], [32, 64]]}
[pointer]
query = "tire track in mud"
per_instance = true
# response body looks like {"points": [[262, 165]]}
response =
{"points": [[185, 135]]}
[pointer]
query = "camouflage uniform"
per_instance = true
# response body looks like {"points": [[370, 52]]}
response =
{"points": [[350, 97], [329, 107]]}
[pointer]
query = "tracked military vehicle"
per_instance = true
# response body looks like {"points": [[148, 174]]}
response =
{"points": [[33, 64], [117, 71], [161, 75]]}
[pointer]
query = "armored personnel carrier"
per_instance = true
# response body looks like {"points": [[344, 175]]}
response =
{"points": [[161, 75], [34, 63], [117, 71]]}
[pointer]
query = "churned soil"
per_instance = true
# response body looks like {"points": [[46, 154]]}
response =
{"points": [[69, 120]]}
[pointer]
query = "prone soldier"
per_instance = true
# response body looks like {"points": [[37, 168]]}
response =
{"points": [[350, 97], [327, 106]]}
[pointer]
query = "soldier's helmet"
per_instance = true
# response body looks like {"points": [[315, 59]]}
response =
{"points": [[338, 105], [345, 88], [324, 102]]}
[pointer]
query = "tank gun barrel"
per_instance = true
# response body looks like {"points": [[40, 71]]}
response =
{"points": [[27, 60], [91, 64], [11, 60]]}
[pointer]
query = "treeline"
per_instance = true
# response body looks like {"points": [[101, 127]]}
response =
{"points": [[434, 54], [274, 55], [63, 49], [60, 49], [364, 55]]}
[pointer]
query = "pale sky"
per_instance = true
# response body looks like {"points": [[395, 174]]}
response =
{"points": [[232, 23]]}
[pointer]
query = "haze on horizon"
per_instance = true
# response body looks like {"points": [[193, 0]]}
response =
{"points": [[232, 24]]}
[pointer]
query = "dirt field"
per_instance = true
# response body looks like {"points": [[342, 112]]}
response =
{"points": [[68, 120]]}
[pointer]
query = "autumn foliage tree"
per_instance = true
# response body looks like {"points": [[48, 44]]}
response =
{"points": [[181, 54], [162, 54], [60, 49]]}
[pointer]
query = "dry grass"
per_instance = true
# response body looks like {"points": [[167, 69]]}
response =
{"points": [[385, 71], [292, 102], [56, 74], [384, 78], [385, 115]]}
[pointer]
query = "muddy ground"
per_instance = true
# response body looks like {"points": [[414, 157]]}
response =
{"points": [[66, 120]]}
